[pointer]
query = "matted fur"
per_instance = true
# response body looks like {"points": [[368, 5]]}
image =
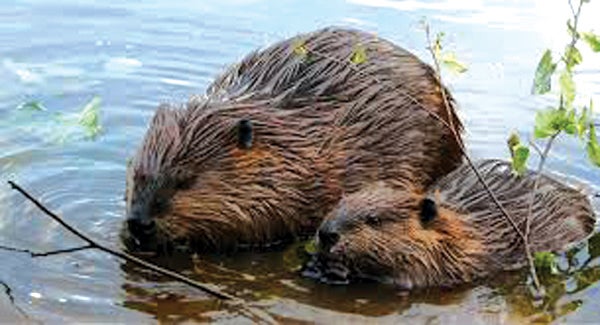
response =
{"points": [[322, 127], [468, 239]]}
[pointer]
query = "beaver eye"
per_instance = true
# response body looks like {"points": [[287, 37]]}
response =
{"points": [[428, 210], [159, 204], [373, 220], [245, 134], [183, 184]]}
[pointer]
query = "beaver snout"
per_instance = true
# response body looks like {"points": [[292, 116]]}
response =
{"points": [[140, 225], [141, 228], [327, 235]]}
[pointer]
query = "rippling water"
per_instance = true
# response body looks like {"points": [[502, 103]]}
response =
{"points": [[136, 55]]}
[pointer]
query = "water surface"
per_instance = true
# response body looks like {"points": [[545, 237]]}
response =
{"points": [[137, 54]]}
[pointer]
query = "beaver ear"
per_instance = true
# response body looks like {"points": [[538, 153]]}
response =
{"points": [[428, 210], [245, 134]]}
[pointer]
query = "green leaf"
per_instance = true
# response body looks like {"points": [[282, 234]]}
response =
{"points": [[570, 29], [520, 156], [437, 44], [359, 54], [299, 48], [572, 57], [311, 247], [567, 87], [89, 118], [545, 262], [512, 141], [582, 123], [548, 122], [592, 40], [569, 124], [543, 74], [33, 105], [450, 62], [593, 148]]}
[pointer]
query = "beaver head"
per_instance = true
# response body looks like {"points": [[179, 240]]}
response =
{"points": [[449, 235], [205, 175]]}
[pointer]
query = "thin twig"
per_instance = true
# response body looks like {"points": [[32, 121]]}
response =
{"points": [[461, 145], [44, 254], [572, 8], [122, 255], [438, 76], [574, 34], [11, 298], [524, 237], [538, 176], [535, 147], [230, 299]]}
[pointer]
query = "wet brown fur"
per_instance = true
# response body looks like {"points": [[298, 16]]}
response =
{"points": [[467, 240], [322, 127]]}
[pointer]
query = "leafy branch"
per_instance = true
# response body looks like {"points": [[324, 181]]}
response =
{"points": [[565, 118], [435, 49]]}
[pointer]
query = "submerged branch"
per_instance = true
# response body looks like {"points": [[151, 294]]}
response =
{"points": [[206, 288]]}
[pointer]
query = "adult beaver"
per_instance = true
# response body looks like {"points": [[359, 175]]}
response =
{"points": [[277, 140], [451, 234]]}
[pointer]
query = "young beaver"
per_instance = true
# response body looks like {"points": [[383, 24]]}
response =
{"points": [[449, 235], [280, 137]]}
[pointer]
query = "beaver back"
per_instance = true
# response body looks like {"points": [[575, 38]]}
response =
{"points": [[315, 125]]}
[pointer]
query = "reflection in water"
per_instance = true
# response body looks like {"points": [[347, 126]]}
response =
{"points": [[264, 278], [135, 55]]}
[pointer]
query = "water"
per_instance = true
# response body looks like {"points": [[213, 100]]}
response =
{"points": [[136, 55]]}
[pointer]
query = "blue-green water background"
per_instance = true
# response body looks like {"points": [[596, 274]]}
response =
{"points": [[136, 54]]}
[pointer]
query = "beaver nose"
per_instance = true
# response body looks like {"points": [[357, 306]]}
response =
{"points": [[328, 237], [140, 227]]}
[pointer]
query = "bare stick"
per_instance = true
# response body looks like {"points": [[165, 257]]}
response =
{"points": [[232, 300], [538, 176], [122, 255], [11, 298], [44, 254], [524, 237], [438, 76], [536, 147]]}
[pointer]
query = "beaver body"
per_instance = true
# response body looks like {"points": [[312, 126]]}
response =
{"points": [[453, 233], [277, 140]]}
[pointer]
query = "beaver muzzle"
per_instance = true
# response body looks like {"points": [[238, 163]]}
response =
{"points": [[141, 228]]}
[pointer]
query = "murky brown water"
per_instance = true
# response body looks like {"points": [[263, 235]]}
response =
{"points": [[135, 55]]}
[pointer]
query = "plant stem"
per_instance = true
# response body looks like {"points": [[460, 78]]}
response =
{"points": [[467, 157], [438, 70], [574, 34], [478, 175], [540, 168]]}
